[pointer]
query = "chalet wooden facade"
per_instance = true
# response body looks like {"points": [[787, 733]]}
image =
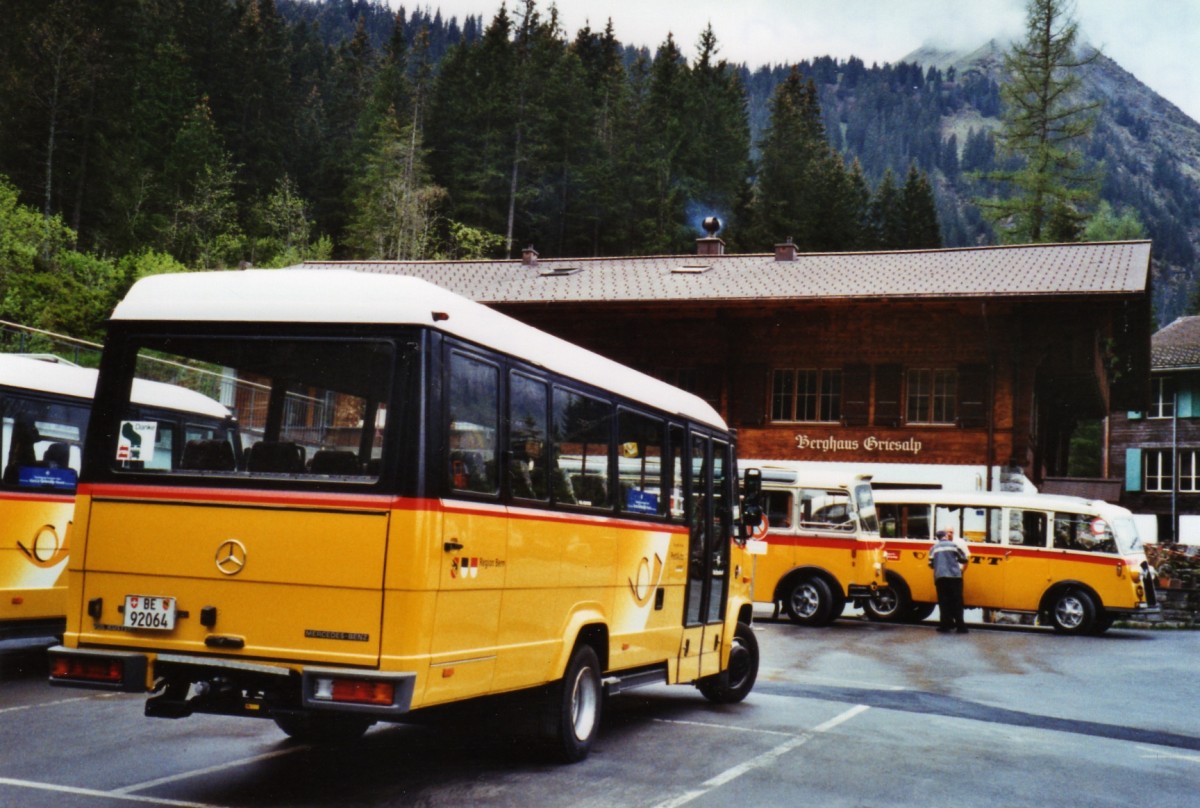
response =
{"points": [[1156, 448], [915, 366]]}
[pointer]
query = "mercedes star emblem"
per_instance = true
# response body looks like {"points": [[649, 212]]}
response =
{"points": [[231, 557]]}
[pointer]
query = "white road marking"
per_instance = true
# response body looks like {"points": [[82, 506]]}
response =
{"points": [[762, 760], [55, 703], [233, 764], [1156, 755], [92, 792]]}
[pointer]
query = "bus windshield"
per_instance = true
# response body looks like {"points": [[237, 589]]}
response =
{"points": [[1128, 538], [307, 408], [41, 442]]}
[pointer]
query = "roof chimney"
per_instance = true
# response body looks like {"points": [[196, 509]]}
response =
{"points": [[529, 256], [785, 251], [711, 245]]}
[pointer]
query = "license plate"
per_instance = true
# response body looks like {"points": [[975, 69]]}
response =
{"points": [[145, 611]]}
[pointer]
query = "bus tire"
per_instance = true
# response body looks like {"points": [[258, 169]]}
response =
{"points": [[322, 729], [1073, 611], [735, 682], [889, 604], [574, 707], [809, 602], [919, 612]]}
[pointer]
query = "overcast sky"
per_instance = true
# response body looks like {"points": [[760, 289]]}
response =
{"points": [[1156, 40]]}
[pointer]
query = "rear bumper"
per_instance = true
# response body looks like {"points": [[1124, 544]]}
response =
{"points": [[184, 685]]}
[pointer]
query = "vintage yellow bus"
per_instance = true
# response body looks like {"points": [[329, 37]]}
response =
{"points": [[443, 504], [44, 407], [1077, 564], [823, 545]]}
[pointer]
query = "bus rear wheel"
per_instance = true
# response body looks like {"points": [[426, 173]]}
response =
{"points": [[810, 602], [889, 604], [1073, 612], [574, 708], [735, 682]]}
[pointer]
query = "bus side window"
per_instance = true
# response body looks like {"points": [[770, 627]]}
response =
{"points": [[474, 414], [1027, 528], [778, 505]]}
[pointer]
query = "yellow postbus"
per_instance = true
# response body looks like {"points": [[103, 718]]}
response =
{"points": [[44, 407], [1077, 564], [823, 545], [441, 503]]}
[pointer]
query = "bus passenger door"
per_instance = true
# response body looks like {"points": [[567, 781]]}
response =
{"points": [[1028, 560], [708, 559], [474, 538], [983, 579]]}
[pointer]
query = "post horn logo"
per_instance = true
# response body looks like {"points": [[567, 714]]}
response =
{"points": [[231, 557]]}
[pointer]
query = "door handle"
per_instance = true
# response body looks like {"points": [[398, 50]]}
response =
{"points": [[451, 546]]}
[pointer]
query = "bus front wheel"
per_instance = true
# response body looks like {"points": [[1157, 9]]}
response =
{"points": [[1073, 612], [810, 602], [735, 682], [575, 706]]}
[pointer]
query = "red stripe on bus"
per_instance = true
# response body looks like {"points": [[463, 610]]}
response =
{"points": [[242, 497], [1003, 551], [22, 496]]}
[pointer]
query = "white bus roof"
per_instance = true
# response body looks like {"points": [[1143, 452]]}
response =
{"points": [[806, 477], [345, 296], [63, 379], [999, 499]]}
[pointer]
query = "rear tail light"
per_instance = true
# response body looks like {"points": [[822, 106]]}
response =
{"points": [[353, 691], [88, 669]]}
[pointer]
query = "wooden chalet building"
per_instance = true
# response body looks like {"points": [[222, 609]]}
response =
{"points": [[1156, 448], [966, 368]]}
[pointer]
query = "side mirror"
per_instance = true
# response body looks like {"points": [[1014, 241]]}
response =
{"points": [[752, 512]]}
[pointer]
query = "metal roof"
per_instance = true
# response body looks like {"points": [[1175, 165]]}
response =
{"points": [[1036, 270], [1177, 345]]}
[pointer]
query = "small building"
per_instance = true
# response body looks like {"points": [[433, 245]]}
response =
{"points": [[963, 368], [1156, 448]]}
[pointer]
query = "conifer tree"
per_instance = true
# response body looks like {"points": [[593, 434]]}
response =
{"points": [[919, 212], [1044, 125]]}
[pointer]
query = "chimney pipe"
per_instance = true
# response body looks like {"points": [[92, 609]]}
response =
{"points": [[529, 256], [710, 244], [785, 251]]}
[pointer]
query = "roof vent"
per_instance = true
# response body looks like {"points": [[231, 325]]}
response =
{"points": [[691, 269], [554, 272]]}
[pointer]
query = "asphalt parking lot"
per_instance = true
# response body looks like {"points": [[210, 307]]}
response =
{"points": [[858, 714]]}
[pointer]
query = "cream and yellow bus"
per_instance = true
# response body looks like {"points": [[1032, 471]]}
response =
{"points": [[823, 545], [44, 407], [442, 503], [1077, 564]]}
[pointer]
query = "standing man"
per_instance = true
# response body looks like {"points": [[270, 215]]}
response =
{"points": [[948, 558]]}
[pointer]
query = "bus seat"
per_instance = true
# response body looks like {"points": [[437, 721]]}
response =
{"points": [[57, 456], [207, 455], [277, 456], [334, 461], [520, 480], [590, 488]]}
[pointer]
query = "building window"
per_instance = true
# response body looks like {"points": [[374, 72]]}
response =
{"points": [[932, 396], [1157, 465], [806, 394], [1189, 470], [1162, 397]]}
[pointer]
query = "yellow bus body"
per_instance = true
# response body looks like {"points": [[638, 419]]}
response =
{"points": [[809, 558], [1074, 587], [368, 583], [33, 560]]}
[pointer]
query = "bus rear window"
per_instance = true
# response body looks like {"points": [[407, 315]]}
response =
{"points": [[41, 442], [260, 407]]}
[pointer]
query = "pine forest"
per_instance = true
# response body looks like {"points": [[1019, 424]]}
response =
{"points": [[144, 137]]}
